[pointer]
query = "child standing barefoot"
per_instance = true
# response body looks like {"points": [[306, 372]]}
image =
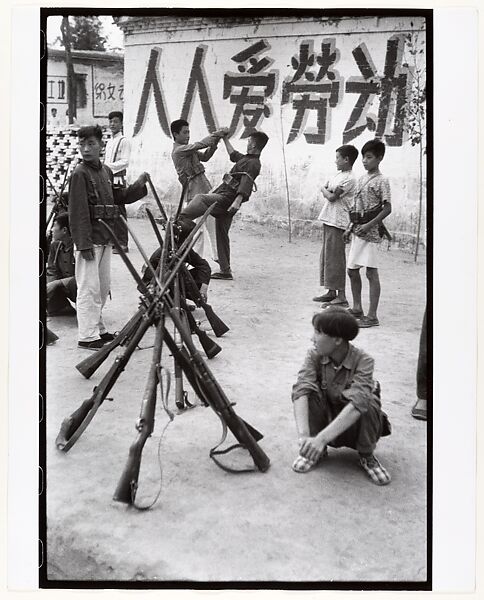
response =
{"points": [[336, 401], [371, 205]]}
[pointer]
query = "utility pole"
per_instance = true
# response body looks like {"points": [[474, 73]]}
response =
{"points": [[71, 81]]}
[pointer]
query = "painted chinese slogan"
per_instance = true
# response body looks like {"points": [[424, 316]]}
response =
{"points": [[309, 88]]}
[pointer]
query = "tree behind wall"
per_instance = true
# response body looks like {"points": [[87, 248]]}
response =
{"points": [[86, 34]]}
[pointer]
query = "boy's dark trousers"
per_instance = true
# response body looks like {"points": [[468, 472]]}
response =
{"points": [[58, 293], [422, 362], [223, 222], [361, 436]]}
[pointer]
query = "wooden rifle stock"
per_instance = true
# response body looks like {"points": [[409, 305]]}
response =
{"points": [[216, 323], [128, 482], [89, 365], [184, 359], [210, 347], [180, 394], [73, 426]]}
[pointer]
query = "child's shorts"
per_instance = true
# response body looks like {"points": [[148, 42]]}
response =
{"points": [[362, 253]]}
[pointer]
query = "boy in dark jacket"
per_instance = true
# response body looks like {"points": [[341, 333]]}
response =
{"points": [[61, 282], [91, 197]]}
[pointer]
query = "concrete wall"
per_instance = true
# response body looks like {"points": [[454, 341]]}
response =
{"points": [[311, 85], [104, 86]]}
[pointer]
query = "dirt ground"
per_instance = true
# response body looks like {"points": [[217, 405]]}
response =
{"points": [[331, 524]]}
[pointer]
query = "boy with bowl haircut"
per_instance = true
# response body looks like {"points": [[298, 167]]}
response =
{"points": [[335, 399], [92, 197], [338, 194], [372, 204]]}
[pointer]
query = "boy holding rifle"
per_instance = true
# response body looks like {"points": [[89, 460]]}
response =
{"points": [[91, 197]]}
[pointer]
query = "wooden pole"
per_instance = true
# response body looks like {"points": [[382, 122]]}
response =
{"points": [[71, 81]]}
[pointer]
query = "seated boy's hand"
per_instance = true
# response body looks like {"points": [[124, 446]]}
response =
{"points": [[312, 448], [88, 254], [346, 236]]}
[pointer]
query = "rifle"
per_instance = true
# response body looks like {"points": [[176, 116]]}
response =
{"points": [[246, 435], [216, 323], [128, 483], [73, 426], [210, 347], [90, 364], [158, 202], [180, 394]]}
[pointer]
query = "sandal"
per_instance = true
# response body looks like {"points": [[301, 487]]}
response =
{"points": [[356, 313], [302, 464], [374, 469]]}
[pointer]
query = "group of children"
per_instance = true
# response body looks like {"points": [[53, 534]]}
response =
{"points": [[356, 208], [335, 398]]}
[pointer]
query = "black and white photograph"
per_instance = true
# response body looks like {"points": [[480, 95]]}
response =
{"points": [[236, 299]]}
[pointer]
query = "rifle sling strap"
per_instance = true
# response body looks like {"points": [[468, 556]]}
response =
{"points": [[215, 452]]}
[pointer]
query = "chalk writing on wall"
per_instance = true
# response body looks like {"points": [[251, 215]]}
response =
{"points": [[56, 89], [314, 86], [107, 92]]}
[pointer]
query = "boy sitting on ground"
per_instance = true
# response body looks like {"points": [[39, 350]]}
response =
{"points": [[335, 399], [61, 282], [338, 192]]}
